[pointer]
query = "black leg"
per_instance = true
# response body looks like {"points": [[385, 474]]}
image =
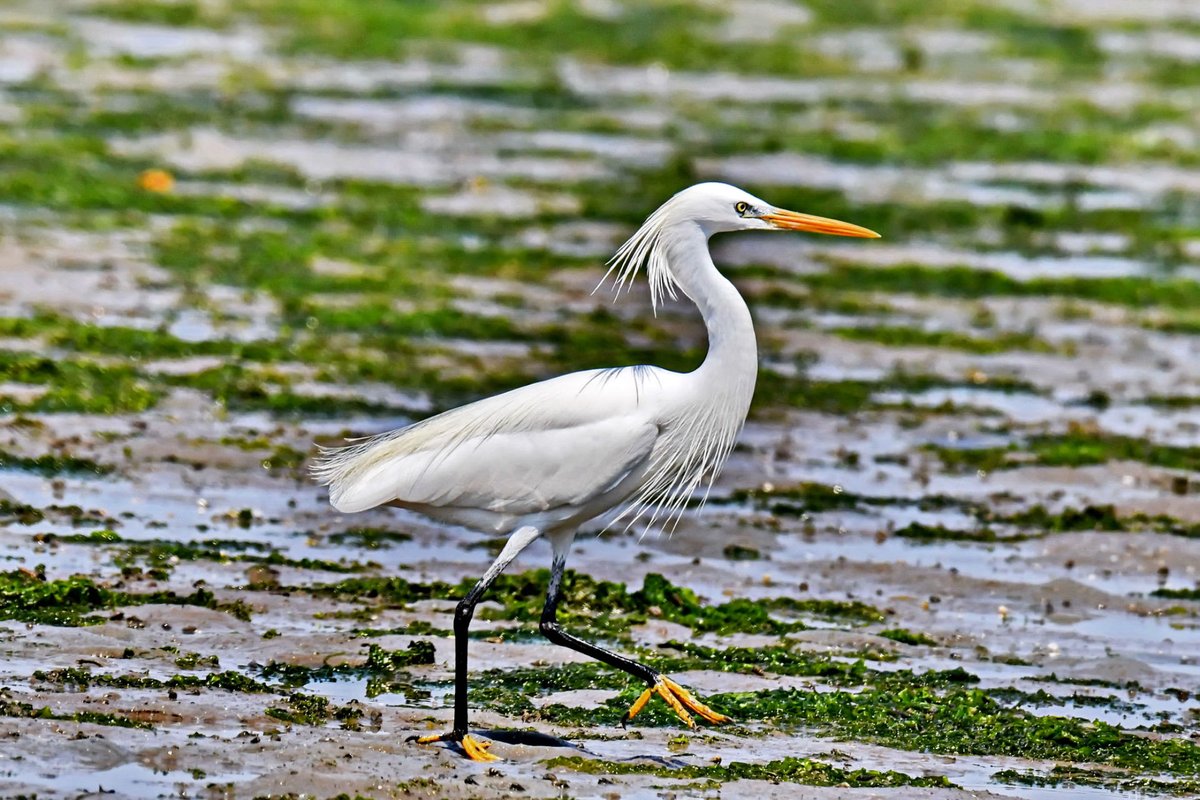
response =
{"points": [[463, 613], [554, 632], [678, 698]]}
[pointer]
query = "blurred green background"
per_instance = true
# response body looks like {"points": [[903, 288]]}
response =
{"points": [[387, 181]]}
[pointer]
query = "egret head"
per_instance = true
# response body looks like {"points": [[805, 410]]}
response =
{"points": [[706, 208], [719, 208]]}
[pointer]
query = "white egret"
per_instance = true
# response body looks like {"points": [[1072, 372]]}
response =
{"points": [[545, 458]]}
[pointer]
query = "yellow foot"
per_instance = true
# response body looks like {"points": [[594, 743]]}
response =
{"points": [[475, 749], [679, 699]]}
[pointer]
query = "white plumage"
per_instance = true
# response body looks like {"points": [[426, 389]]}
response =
{"points": [[542, 459], [502, 459], [558, 452]]}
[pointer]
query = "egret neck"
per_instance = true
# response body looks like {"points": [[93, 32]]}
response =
{"points": [[731, 366]]}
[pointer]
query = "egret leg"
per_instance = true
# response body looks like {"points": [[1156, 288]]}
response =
{"points": [[553, 631], [463, 613], [678, 698]]}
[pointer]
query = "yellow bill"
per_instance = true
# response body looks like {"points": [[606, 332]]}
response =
{"points": [[793, 221]]}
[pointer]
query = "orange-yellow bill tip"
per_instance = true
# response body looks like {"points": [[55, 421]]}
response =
{"points": [[792, 221]]}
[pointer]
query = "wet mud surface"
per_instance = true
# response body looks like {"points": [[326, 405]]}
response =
{"points": [[955, 554]]}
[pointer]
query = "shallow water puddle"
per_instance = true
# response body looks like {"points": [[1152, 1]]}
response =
{"points": [[137, 780]]}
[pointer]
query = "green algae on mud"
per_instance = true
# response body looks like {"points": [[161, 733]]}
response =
{"points": [[161, 555], [370, 538], [803, 771], [970, 283], [73, 515], [1066, 777], [136, 343], [418, 627], [83, 678], [810, 497], [1072, 449], [851, 396], [900, 336], [366, 30], [178, 13], [522, 596], [1177, 594], [315, 710], [379, 663], [12, 708], [1031, 522], [1090, 518], [904, 636], [958, 721], [919, 531], [509, 691], [79, 174], [303, 709], [28, 596], [49, 465], [238, 387], [74, 385], [931, 711]]}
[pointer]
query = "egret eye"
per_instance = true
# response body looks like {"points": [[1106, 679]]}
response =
{"points": [[741, 207]]}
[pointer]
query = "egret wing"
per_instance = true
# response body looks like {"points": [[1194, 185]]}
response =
{"points": [[522, 473], [557, 443]]}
